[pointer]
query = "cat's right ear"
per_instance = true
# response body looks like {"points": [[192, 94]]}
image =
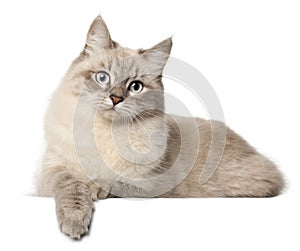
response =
{"points": [[98, 37]]}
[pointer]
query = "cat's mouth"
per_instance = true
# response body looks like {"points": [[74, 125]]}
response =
{"points": [[111, 110], [112, 113], [107, 108]]}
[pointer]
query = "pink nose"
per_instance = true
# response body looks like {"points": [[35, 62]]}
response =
{"points": [[115, 99]]}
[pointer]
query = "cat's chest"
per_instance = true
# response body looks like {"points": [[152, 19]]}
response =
{"points": [[121, 150], [124, 145]]}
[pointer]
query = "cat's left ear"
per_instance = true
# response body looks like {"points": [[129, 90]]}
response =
{"points": [[98, 36], [157, 56]]}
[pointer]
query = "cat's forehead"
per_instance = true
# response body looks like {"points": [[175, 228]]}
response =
{"points": [[121, 63]]}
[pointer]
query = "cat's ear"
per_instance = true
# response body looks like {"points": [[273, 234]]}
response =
{"points": [[157, 56], [98, 36]]}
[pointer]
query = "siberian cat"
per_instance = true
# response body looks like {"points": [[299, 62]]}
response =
{"points": [[108, 136]]}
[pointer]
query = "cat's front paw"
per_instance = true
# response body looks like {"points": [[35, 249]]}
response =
{"points": [[74, 220], [98, 193]]}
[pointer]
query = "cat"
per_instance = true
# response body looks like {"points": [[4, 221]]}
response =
{"points": [[108, 136]]}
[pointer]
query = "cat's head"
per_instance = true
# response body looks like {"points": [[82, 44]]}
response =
{"points": [[119, 82]]}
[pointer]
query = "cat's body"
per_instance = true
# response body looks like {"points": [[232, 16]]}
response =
{"points": [[92, 153]]}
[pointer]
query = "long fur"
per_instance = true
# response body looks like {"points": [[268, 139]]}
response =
{"points": [[135, 149]]}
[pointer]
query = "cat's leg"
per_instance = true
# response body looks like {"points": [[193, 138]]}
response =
{"points": [[241, 171], [74, 204], [254, 176], [244, 172], [73, 193]]}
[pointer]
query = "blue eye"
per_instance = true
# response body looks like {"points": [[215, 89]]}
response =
{"points": [[136, 86], [102, 78]]}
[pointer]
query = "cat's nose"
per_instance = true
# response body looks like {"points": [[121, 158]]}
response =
{"points": [[116, 99]]}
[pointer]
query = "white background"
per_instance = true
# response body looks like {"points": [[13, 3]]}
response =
{"points": [[250, 53]]}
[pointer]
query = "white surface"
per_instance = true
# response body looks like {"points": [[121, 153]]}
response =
{"points": [[249, 52], [160, 224]]}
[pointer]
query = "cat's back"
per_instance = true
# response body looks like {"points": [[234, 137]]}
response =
{"points": [[226, 164]]}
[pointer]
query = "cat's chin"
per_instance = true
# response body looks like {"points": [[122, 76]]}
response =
{"points": [[107, 114], [110, 114]]}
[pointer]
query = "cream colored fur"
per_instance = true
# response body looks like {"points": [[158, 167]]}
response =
{"points": [[72, 171]]}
